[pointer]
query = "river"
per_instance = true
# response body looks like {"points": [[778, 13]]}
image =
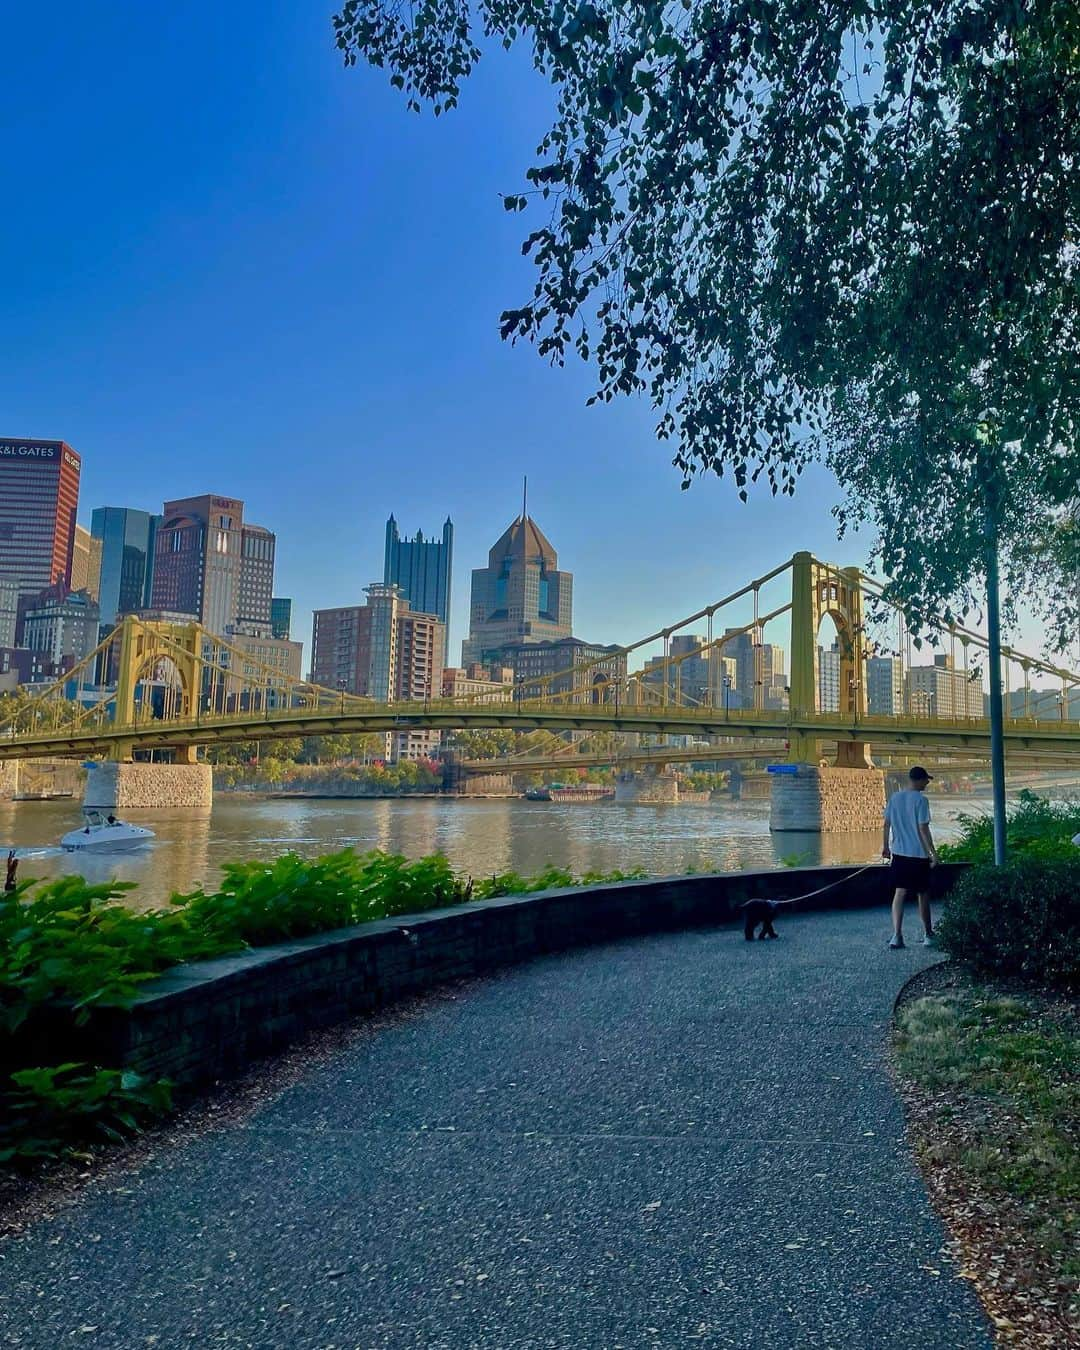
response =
{"points": [[480, 837]]}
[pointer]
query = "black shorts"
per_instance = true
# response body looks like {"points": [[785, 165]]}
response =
{"points": [[910, 874]]}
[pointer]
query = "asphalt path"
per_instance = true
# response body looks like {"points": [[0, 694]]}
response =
{"points": [[680, 1140]]}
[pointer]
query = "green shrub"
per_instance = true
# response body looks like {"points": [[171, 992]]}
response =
{"points": [[262, 903], [1036, 828], [70, 943], [550, 879], [46, 1112], [1022, 919]]}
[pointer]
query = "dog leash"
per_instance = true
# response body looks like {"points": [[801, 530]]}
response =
{"points": [[831, 886]]}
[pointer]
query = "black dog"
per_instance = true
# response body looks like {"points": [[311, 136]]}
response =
{"points": [[759, 912]]}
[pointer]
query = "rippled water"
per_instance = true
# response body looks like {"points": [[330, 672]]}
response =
{"points": [[479, 837]]}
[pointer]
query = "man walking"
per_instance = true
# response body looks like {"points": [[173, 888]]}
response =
{"points": [[911, 848]]}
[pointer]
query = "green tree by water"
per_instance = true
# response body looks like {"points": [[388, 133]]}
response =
{"points": [[843, 233]]}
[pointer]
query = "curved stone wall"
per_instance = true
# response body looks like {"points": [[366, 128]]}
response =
{"points": [[209, 1020]]}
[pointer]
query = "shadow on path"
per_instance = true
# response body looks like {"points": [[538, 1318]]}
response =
{"points": [[681, 1140]]}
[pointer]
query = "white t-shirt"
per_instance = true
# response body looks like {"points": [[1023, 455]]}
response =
{"points": [[905, 811]]}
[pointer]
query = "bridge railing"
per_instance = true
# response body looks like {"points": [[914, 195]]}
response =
{"points": [[442, 712]]}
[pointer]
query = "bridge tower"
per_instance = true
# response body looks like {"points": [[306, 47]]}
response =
{"points": [[119, 782], [144, 646], [817, 591], [816, 797]]}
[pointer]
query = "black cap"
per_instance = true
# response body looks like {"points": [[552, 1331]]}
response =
{"points": [[919, 774]]}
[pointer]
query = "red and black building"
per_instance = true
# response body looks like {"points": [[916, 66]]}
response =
{"points": [[39, 497]]}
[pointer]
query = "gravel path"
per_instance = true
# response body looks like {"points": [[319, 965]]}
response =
{"points": [[685, 1140]]}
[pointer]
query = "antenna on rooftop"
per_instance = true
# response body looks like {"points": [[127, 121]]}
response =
{"points": [[524, 497]]}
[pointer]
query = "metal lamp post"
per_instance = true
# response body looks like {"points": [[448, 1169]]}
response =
{"points": [[991, 523]]}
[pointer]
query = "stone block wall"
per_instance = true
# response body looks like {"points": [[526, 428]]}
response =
{"points": [[488, 785], [647, 787], [139, 786], [208, 1020], [9, 779], [45, 779], [827, 800]]}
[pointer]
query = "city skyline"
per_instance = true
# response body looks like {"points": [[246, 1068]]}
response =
{"points": [[199, 556], [299, 617]]}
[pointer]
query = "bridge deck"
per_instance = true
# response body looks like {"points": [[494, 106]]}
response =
{"points": [[1020, 733], [686, 1140]]}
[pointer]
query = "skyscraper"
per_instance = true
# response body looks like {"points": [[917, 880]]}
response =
{"points": [[759, 679], [884, 685], [280, 616], [384, 650], [254, 611], [9, 611], [942, 691], [62, 629], [828, 678], [422, 569], [520, 596], [210, 564], [39, 498], [126, 538], [85, 562]]}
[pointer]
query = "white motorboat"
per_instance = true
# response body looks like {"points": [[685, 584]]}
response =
{"points": [[105, 834]]}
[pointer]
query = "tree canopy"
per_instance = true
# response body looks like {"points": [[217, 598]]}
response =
{"points": [[841, 231]]}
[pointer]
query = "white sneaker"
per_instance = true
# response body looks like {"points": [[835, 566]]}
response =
{"points": [[896, 942], [929, 940]]}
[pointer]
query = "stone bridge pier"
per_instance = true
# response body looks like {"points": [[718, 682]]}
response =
{"points": [[135, 785], [650, 785], [827, 799]]}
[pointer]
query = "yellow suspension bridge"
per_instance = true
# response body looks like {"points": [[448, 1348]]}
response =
{"points": [[155, 686]]}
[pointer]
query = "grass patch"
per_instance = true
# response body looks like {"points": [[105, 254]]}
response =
{"points": [[992, 1082]]}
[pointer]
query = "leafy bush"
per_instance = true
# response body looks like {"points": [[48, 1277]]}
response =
{"points": [[1036, 828], [72, 944], [1022, 919], [550, 879], [45, 1112], [261, 903]]}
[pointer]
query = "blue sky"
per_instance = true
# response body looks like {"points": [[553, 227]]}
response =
{"points": [[231, 265]]}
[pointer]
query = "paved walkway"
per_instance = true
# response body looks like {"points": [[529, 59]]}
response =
{"points": [[680, 1141]]}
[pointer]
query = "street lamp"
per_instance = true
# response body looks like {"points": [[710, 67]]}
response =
{"points": [[341, 689], [727, 698]]}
